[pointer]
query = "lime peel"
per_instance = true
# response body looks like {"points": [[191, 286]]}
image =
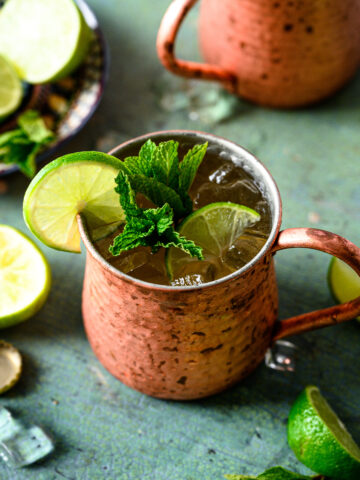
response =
{"points": [[320, 440], [11, 91], [213, 227], [79, 182], [52, 34], [25, 277], [343, 281]]}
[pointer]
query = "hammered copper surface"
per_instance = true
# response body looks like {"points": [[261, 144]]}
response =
{"points": [[191, 343], [180, 344], [280, 53], [185, 343], [334, 245]]}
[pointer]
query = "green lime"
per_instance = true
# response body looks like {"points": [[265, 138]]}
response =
{"points": [[320, 440], [24, 277], [215, 228], [79, 182], [344, 283], [10, 89], [44, 39]]}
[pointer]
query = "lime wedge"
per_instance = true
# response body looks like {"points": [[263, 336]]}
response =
{"points": [[320, 440], [24, 277], [344, 283], [44, 39], [215, 228], [10, 89], [79, 182]]}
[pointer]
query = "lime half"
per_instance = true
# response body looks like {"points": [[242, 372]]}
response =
{"points": [[320, 440], [216, 228], [44, 39], [24, 277], [10, 89], [344, 283], [79, 182]]}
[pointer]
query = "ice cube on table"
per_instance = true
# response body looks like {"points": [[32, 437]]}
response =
{"points": [[281, 356], [21, 445]]}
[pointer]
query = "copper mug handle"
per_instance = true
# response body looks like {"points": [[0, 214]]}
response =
{"points": [[168, 30], [336, 246]]}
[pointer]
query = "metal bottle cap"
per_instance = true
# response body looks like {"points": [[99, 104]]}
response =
{"points": [[10, 366]]}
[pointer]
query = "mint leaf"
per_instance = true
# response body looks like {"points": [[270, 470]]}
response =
{"points": [[34, 127], [141, 165], [162, 217], [146, 156], [127, 196], [280, 473], [274, 473], [158, 193], [153, 227], [239, 477], [172, 238], [21, 146], [130, 238], [158, 174], [189, 166], [165, 164], [21, 152], [132, 166], [8, 137]]}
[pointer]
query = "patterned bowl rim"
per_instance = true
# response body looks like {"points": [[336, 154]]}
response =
{"points": [[93, 23]]}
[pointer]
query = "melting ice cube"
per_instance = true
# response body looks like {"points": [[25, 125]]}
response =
{"points": [[21, 445]]}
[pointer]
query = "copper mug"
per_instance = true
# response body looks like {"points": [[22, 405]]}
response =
{"points": [[190, 342], [273, 52]]}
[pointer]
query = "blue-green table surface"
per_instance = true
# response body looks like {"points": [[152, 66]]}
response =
{"points": [[103, 429]]}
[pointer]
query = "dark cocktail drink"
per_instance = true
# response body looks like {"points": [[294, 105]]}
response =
{"points": [[219, 179]]}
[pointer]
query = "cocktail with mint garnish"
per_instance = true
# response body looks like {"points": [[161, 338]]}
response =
{"points": [[212, 202]]}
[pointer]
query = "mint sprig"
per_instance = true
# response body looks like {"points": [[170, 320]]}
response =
{"points": [[21, 145], [153, 227], [275, 473], [158, 174]]}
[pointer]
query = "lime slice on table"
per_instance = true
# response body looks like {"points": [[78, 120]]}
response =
{"points": [[320, 440], [45, 39], [215, 228], [24, 277], [344, 283], [10, 89], [79, 182]]}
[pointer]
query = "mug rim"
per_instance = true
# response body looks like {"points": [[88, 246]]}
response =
{"points": [[230, 146]]}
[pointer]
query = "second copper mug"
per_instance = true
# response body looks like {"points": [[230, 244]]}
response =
{"points": [[190, 342], [273, 52]]}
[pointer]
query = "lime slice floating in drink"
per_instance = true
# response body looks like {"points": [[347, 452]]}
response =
{"points": [[10, 89], [344, 283], [24, 277], [320, 440], [215, 228], [44, 39], [81, 182]]}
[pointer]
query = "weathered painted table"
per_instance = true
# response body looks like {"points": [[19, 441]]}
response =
{"points": [[103, 429]]}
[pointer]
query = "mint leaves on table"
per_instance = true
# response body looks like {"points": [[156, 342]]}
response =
{"points": [[275, 473], [20, 146], [158, 174], [152, 227]]}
